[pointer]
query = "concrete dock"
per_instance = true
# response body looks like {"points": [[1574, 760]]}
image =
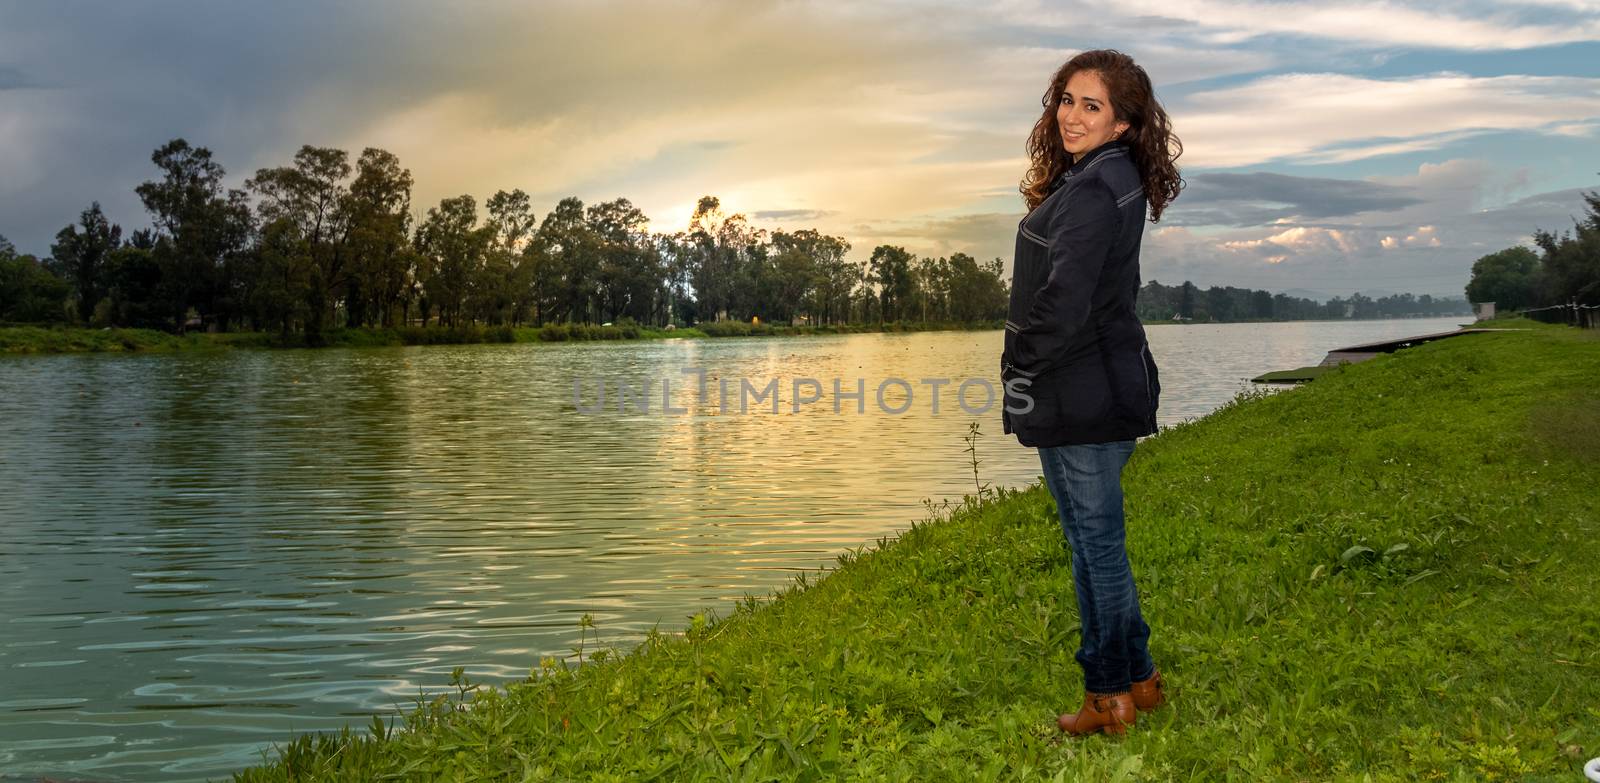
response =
{"points": [[1359, 353]]}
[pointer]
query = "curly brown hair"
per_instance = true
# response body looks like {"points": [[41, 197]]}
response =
{"points": [[1133, 100]]}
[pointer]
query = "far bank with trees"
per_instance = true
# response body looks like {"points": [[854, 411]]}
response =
{"points": [[326, 242], [329, 250]]}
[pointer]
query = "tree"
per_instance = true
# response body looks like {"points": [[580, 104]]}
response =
{"points": [[310, 197], [567, 276], [835, 276], [504, 292], [677, 256], [29, 291], [890, 268], [378, 208], [1186, 300], [1155, 302], [1509, 278], [200, 227], [1220, 304], [976, 291], [1261, 305], [799, 272], [743, 251], [133, 280], [630, 275], [283, 276], [453, 244], [708, 270], [727, 254], [1570, 267], [83, 256]]}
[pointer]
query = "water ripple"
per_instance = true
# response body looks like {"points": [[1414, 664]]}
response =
{"points": [[205, 554]]}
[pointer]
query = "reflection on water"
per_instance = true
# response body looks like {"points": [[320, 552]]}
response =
{"points": [[206, 553]]}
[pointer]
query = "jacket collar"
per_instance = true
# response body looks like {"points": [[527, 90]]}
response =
{"points": [[1112, 149]]}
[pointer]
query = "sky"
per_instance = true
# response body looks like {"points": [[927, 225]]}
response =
{"points": [[1329, 147]]}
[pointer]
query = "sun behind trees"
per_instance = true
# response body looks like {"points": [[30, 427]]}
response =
{"points": [[323, 242]]}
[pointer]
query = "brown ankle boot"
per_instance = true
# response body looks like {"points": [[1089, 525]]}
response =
{"points": [[1111, 713], [1149, 693]]}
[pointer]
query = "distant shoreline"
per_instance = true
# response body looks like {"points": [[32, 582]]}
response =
{"points": [[49, 340], [1169, 322], [55, 339]]}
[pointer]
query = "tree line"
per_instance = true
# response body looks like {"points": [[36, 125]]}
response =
{"points": [[1189, 302], [1564, 271], [328, 242]]}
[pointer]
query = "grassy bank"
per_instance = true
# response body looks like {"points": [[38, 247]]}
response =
{"points": [[35, 339], [1385, 575]]}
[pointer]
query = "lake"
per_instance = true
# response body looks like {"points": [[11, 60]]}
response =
{"points": [[206, 553]]}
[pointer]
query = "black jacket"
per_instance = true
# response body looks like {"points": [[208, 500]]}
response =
{"points": [[1076, 365]]}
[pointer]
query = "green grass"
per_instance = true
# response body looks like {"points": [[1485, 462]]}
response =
{"points": [[1386, 575], [36, 339], [1297, 375]]}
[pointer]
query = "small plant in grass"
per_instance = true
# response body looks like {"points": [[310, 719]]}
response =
{"points": [[974, 433]]}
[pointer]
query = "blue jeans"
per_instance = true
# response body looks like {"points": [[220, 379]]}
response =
{"points": [[1086, 481]]}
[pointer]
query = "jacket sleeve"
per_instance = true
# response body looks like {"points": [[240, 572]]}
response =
{"points": [[1081, 235]]}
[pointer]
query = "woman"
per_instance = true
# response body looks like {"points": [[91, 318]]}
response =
{"points": [[1081, 384]]}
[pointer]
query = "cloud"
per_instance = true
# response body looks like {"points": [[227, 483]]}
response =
{"points": [[1375, 23], [1220, 198], [769, 105], [881, 112], [1423, 248], [791, 214], [1170, 63], [983, 236], [1577, 129], [1302, 239], [1425, 236], [1472, 26], [1333, 118], [1587, 6]]}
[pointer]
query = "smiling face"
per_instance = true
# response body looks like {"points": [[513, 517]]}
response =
{"points": [[1085, 115]]}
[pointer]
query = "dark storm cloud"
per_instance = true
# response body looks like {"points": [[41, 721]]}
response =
{"points": [[1258, 198], [252, 82], [109, 82]]}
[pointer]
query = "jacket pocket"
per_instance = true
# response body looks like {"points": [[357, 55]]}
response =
{"points": [[1134, 385], [1053, 407]]}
